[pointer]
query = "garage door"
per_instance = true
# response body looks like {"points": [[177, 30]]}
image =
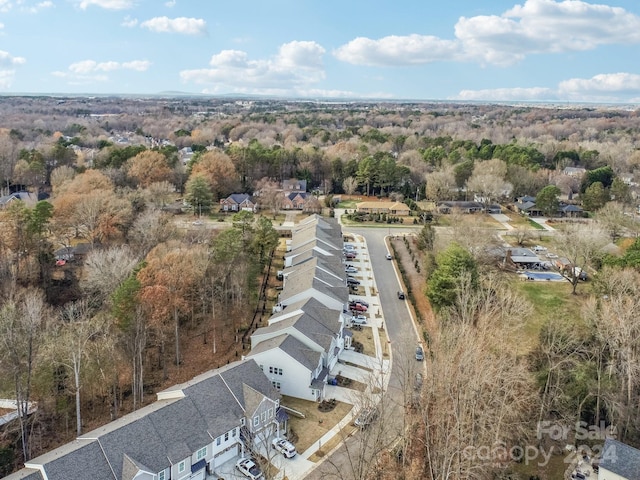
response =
{"points": [[227, 455]]}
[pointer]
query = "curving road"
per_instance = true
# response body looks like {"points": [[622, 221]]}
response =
{"points": [[403, 337]]}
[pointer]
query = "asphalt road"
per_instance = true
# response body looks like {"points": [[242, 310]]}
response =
{"points": [[402, 335]]}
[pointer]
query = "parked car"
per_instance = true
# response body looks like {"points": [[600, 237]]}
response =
{"points": [[357, 306], [249, 469], [539, 248], [389, 257], [360, 301], [284, 446], [419, 353], [366, 417], [349, 255], [351, 269], [352, 281], [349, 246], [359, 320], [417, 384], [400, 294]]}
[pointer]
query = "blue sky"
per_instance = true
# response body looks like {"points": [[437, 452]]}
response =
{"points": [[490, 50]]}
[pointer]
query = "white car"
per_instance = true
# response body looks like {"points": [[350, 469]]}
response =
{"points": [[249, 469], [367, 415], [539, 248], [351, 270], [285, 447], [389, 257], [359, 320]]}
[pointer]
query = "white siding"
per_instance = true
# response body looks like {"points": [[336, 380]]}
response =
{"points": [[604, 474], [295, 380]]}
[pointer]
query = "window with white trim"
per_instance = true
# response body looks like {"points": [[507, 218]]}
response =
{"points": [[218, 440], [200, 454], [263, 416], [242, 422], [226, 437], [270, 414], [256, 421], [162, 476], [233, 432], [182, 466], [276, 385]]}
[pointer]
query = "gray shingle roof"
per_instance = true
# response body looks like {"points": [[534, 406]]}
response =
{"points": [[292, 347], [74, 463], [25, 474], [621, 459], [162, 433]]}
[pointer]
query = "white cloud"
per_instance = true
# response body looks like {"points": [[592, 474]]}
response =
{"points": [[87, 72], [38, 7], [536, 27], [183, 25], [295, 67], [170, 3], [6, 59], [606, 87], [129, 22], [5, 5], [107, 4], [7, 72], [397, 50]]}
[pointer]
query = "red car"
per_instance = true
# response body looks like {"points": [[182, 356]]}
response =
{"points": [[349, 256], [357, 306]]}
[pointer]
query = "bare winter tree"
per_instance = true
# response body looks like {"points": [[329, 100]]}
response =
{"points": [[104, 270], [77, 331], [581, 244], [22, 329], [350, 185]]}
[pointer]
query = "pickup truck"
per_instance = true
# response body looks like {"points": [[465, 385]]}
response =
{"points": [[249, 469]]}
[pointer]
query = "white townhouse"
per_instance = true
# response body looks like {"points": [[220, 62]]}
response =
{"points": [[190, 430], [299, 347]]}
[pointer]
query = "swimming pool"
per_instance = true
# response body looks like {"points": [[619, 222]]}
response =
{"points": [[541, 276]]}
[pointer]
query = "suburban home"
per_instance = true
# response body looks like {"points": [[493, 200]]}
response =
{"points": [[295, 200], [575, 172], [619, 461], [237, 202], [191, 429], [299, 347], [464, 207], [307, 281], [390, 208], [521, 258], [294, 185], [572, 211], [29, 199], [527, 206]]}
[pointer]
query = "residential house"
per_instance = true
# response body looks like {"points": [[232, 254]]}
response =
{"points": [[299, 347], [572, 211], [464, 207], [619, 461], [390, 208], [295, 200], [26, 197], [575, 172], [521, 258], [237, 202], [527, 206], [294, 185], [190, 430]]}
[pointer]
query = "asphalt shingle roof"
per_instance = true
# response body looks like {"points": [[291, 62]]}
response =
{"points": [[621, 459]]}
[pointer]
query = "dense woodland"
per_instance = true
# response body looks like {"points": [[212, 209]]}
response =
{"points": [[92, 339]]}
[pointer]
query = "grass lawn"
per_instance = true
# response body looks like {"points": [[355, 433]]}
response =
{"points": [[348, 204], [535, 225], [550, 300], [365, 337], [384, 342], [310, 429]]}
